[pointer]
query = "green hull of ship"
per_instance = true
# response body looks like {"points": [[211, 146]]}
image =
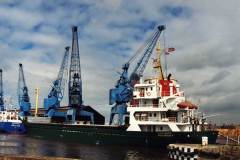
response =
{"points": [[112, 135]]}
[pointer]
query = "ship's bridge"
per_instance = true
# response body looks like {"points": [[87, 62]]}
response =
{"points": [[149, 92], [154, 88]]}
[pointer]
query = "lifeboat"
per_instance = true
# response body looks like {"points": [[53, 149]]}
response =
{"points": [[187, 104]]}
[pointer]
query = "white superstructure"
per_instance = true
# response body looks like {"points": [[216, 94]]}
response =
{"points": [[159, 105]]}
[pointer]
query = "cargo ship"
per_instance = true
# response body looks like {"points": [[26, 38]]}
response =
{"points": [[158, 115], [11, 123], [151, 111]]}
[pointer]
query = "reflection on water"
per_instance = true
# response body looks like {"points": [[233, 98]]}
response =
{"points": [[22, 145]]}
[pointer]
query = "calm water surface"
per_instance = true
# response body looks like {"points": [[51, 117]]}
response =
{"points": [[22, 145]]}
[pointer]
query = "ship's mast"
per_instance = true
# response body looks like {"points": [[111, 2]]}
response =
{"points": [[157, 62]]}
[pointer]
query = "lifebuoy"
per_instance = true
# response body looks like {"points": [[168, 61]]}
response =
{"points": [[148, 94]]}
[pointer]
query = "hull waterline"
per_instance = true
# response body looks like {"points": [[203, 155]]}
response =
{"points": [[105, 135]]}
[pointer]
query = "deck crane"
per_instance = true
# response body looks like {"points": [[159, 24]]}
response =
{"points": [[77, 109], [23, 97], [1, 92], [52, 102], [123, 91]]}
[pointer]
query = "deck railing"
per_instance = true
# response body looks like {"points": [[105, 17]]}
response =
{"points": [[156, 119], [146, 105]]}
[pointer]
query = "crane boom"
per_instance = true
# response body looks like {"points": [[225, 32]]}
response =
{"points": [[148, 50], [1, 92], [141, 64], [57, 92], [123, 91], [62, 71], [23, 97]]}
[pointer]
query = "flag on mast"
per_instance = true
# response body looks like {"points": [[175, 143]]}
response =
{"points": [[169, 50]]}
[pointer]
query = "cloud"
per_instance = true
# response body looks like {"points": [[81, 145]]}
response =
{"points": [[37, 38], [217, 77], [17, 17]]}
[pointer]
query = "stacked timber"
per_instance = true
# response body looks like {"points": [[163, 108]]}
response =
{"points": [[232, 132]]}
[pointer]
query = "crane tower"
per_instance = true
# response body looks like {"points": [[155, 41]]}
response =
{"points": [[52, 102], [1, 92], [75, 80], [23, 97], [123, 91]]}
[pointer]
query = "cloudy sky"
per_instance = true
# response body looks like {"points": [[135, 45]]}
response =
{"points": [[205, 34]]}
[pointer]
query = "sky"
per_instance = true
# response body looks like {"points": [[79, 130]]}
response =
{"points": [[205, 34]]}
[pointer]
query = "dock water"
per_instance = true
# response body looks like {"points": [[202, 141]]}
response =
{"points": [[21, 157]]}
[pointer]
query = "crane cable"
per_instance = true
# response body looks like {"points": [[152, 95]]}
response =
{"points": [[144, 59]]}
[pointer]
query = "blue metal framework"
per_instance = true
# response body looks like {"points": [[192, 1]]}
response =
{"points": [[123, 91], [57, 92], [23, 97]]}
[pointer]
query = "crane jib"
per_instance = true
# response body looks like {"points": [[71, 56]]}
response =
{"points": [[141, 65]]}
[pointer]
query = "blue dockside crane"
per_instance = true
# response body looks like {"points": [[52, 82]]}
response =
{"points": [[52, 102], [75, 83], [1, 92], [23, 97], [123, 91]]}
